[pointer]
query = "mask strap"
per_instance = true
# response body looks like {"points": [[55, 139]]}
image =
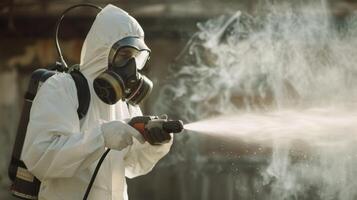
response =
{"points": [[59, 23]]}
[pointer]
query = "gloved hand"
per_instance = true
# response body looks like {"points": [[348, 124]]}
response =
{"points": [[118, 135], [157, 136]]}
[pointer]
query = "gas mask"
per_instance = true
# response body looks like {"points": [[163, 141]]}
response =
{"points": [[123, 80]]}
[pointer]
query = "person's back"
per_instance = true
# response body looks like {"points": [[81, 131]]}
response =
{"points": [[62, 151]]}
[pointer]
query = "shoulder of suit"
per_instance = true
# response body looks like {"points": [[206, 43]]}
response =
{"points": [[61, 82], [60, 79]]}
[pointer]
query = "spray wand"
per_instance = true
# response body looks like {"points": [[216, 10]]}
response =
{"points": [[147, 124]]}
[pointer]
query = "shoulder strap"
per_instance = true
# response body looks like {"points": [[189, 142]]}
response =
{"points": [[83, 92]]}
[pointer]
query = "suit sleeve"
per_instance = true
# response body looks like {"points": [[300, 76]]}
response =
{"points": [[141, 158], [54, 145]]}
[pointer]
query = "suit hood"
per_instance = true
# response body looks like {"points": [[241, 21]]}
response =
{"points": [[110, 25]]}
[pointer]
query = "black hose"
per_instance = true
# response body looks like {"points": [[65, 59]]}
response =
{"points": [[89, 187], [59, 23]]}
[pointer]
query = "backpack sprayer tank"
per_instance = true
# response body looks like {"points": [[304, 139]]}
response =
{"points": [[24, 184]]}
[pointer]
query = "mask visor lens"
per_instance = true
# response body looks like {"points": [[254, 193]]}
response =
{"points": [[123, 55], [141, 59]]}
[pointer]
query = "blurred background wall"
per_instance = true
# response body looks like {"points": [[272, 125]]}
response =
{"points": [[27, 43]]}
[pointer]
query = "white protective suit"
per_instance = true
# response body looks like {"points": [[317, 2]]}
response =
{"points": [[62, 151]]}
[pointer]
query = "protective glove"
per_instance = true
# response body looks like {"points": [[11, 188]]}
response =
{"points": [[118, 135], [158, 136]]}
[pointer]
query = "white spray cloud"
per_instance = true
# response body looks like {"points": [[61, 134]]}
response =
{"points": [[290, 57]]}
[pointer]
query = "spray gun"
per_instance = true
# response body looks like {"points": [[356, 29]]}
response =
{"points": [[146, 125]]}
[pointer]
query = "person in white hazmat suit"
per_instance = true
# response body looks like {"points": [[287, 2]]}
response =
{"points": [[62, 152]]}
